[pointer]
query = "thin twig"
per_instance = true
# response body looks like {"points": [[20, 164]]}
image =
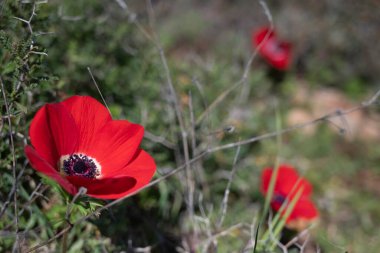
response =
{"points": [[158, 139], [11, 194], [335, 114], [122, 4], [245, 90], [97, 87], [29, 21], [148, 135], [223, 209], [206, 220], [192, 124], [251, 244], [225, 232], [69, 208], [244, 78], [15, 181], [199, 177], [177, 109], [304, 244], [35, 194], [300, 235], [9, 200], [207, 116]]}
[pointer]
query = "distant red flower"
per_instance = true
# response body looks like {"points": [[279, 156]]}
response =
{"points": [[277, 53], [77, 144], [287, 184]]}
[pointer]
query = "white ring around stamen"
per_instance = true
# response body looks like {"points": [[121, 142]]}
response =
{"points": [[66, 157]]}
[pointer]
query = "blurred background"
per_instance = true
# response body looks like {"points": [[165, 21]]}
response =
{"points": [[207, 44]]}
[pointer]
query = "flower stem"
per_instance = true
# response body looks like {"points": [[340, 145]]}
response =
{"points": [[284, 218]]}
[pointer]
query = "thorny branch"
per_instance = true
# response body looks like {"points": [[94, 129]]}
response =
{"points": [[29, 21]]}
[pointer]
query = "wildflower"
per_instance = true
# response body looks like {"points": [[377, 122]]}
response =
{"points": [[277, 53], [77, 144], [287, 184]]}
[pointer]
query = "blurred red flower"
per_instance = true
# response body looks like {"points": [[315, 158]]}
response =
{"points": [[77, 144], [288, 183], [277, 53]]}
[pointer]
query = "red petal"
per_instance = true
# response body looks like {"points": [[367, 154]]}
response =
{"points": [[39, 164], [276, 205], [307, 188], [53, 133], [106, 188], [304, 209], [117, 143], [276, 53], [89, 115], [287, 178], [142, 168], [42, 138], [261, 34]]}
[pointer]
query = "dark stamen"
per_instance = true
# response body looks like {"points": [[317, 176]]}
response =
{"points": [[279, 198], [80, 165]]}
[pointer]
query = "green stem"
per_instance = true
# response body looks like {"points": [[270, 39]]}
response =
{"points": [[273, 179], [279, 220], [288, 211]]}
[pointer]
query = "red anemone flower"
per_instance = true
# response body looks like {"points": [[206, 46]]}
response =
{"points": [[77, 144], [277, 53], [288, 183]]}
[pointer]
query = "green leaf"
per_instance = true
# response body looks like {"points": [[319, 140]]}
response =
{"points": [[8, 68]]}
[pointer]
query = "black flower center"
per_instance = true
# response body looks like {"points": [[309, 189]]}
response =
{"points": [[278, 198], [80, 165]]}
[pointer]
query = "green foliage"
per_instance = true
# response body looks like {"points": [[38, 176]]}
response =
{"points": [[52, 62]]}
